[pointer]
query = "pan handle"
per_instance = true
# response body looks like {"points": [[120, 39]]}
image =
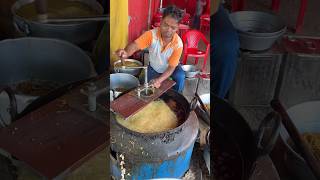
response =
{"points": [[266, 144], [13, 102]]}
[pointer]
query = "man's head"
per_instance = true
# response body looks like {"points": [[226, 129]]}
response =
{"points": [[170, 21]]}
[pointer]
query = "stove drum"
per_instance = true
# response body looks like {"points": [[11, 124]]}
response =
{"points": [[154, 155]]}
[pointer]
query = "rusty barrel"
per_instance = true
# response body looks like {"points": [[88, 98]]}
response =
{"points": [[155, 155]]}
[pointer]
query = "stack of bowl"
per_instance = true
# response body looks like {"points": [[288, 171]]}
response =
{"points": [[257, 30]]}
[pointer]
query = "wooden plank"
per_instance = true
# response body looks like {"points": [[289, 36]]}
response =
{"points": [[129, 104]]}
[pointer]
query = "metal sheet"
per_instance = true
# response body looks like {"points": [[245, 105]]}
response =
{"points": [[256, 78], [301, 79], [57, 137]]}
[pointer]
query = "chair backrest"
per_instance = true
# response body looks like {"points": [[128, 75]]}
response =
{"points": [[185, 19], [192, 38]]}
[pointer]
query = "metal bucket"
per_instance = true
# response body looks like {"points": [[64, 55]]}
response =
{"points": [[257, 30], [73, 32], [123, 81], [49, 60], [306, 118], [155, 155]]}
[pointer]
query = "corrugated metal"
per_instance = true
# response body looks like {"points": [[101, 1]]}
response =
{"points": [[256, 78], [301, 79]]}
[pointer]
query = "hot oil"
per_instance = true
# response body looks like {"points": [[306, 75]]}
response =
{"points": [[59, 9], [127, 64], [155, 117], [35, 87]]}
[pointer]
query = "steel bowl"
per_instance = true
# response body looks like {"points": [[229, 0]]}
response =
{"points": [[257, 30], [190, 70], [205, 98], [123, 81], [128, 70]]}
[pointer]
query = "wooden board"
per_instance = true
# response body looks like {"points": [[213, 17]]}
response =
{"points": [[129, 104]]}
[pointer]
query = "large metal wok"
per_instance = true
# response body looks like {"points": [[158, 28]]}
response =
{"points": [[39, 59], [235, 146], [79, 32]]}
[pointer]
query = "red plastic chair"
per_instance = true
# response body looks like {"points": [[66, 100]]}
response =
{"points": [[205, 22], [185, 19], [191, 41]]}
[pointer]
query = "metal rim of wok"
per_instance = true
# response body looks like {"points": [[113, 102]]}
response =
{"points": [[18, 4], [85, 59], [169, 93], [230, 129]]}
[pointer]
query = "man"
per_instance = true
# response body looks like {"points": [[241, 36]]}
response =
{"points": [[224, 49], [165, 49]]}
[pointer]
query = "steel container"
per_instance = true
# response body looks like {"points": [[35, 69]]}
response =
{"points": [[44, 59], [257, 30], [155, 155], [75, 32]]}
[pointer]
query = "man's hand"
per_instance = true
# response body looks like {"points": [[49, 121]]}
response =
{"points": [[156, 82], [122, 53]]}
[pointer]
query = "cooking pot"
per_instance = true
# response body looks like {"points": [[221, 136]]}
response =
{"points": [[257, 30], [123, 81], [39, 59], [128, 70], [77, 33], [158, 154]]}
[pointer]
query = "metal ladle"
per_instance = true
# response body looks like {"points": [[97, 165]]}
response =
{"points": [[146, 84], [197, 98]]}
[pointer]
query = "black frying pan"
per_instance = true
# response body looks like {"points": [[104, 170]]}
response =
{"points": [[235, 146]]}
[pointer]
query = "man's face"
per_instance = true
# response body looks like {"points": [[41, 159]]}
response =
{"points": [[168, 27]]}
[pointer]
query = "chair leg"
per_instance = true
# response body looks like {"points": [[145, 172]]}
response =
{"points": [[185, 57], [300, 19], [204, 66], [275, 5], [196, 61]]}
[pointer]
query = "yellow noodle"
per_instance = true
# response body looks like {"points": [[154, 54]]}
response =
{"points": [[155, 117]]}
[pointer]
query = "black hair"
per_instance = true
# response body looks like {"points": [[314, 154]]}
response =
{"points": [[174, 12]]}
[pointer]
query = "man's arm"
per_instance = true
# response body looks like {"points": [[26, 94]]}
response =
{"points": [[128, 50], [173, 63], [165, 75], [142, 42]]}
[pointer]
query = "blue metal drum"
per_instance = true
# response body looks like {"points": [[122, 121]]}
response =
{"points": [[155, 155]]}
